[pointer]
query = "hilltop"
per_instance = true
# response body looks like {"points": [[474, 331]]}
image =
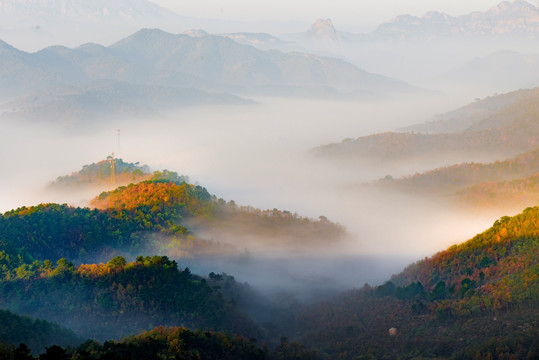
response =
{"points": [[99, 174], [238, 226]]}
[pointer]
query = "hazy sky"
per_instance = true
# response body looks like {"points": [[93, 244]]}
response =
{"points": [[344, 13]]}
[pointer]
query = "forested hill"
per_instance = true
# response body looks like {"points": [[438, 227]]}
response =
{"points": [[449, 179], [476, 300], [148, 217], [112, 300], [200, 212], [100, 173], [501, 264]]}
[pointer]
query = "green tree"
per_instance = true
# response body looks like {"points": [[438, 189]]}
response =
{"points": [[117, 263]]}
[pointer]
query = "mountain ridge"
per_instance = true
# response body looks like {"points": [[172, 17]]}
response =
{"points": [[507, 18], [498, 127], [210, 63]]}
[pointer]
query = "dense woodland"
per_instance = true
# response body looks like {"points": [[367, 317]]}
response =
{"points": [[475, 300], [50, 261], [111, 300], [168, 343]]}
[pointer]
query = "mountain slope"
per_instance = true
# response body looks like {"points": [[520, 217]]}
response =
{"points": [[455, 304], [20, 71], [449, 179], [34, 333], [222, 61], [503, 129], [509, 195], [242, 227], [490, 111]]}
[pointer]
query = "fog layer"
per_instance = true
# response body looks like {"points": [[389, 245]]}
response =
{"points": [[255, 155]]}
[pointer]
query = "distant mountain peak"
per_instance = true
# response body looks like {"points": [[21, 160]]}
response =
{"points": [[515, 4], [436, 15], [323, 29], [507, 18]]}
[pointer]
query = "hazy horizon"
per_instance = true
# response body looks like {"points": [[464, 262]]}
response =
{"points": [[360, 16]]}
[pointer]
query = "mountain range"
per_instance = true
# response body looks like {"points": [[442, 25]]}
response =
{"points": [[517, 18], [153, 70], [475, 54], [436, 43], [152, 56], [508, 18]]}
